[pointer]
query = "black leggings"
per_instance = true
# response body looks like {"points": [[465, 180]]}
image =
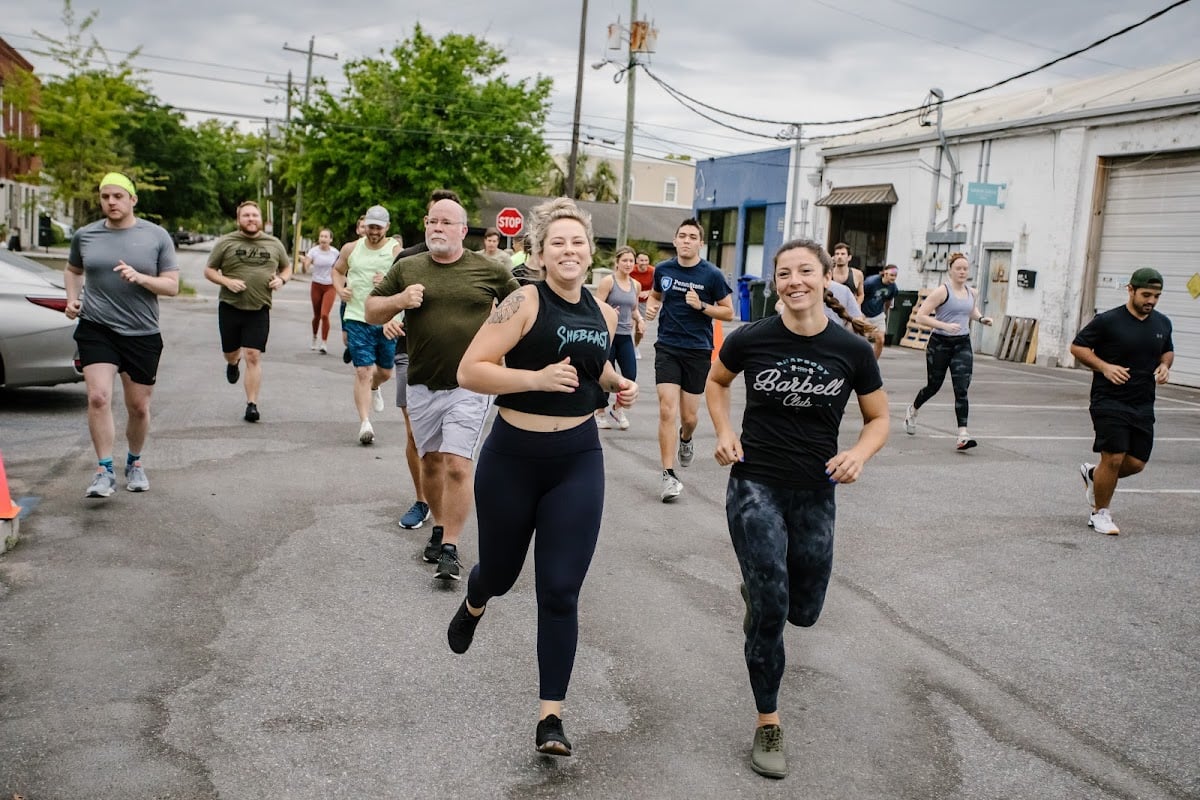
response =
{"points": [[552, 483], [952, 353]]}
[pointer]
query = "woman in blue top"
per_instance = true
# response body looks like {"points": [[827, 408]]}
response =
{"points": [[948, 310], [800, 369], [544, 354]]}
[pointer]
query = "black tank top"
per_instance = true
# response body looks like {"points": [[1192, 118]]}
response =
{"points": [[562, 329]]}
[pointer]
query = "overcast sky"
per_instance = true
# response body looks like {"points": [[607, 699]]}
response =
{"points": [[802, 60]]}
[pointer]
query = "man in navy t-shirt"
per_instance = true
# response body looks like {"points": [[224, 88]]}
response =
{"points": [[689, 293], [1129, 349], [879, 292]]}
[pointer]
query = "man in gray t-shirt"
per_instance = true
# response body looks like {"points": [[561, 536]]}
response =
{"points": [[127, 264]]}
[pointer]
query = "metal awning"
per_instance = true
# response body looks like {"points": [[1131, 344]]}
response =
{"points": [[875, 194]]}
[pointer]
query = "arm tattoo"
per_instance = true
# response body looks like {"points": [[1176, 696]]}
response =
{"points": [[507, 309]]}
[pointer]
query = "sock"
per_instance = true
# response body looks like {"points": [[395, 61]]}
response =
{"points": [[670, 472], [130, 458], [106, 463]]}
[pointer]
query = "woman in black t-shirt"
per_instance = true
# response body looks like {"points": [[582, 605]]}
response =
{"points": [[544, 353], [800, 370]]}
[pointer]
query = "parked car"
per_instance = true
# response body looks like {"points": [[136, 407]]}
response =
{"points": [[37, 344]]}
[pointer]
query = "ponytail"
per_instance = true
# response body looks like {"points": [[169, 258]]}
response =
{"points": [[860, 326]]}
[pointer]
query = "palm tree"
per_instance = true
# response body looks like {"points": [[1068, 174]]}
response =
{"points": [[599, 184]]}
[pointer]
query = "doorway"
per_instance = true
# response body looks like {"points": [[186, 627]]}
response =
{"points": [[992, 280]]}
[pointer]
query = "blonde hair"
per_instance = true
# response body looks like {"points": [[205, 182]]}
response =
{"points": [[552, 211]]}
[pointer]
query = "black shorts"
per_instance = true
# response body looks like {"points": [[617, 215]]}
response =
{"points": [[137, 356], [687, 369], [1129, 432], [241, 328]]}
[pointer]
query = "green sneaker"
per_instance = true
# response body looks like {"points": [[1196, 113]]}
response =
{"points": [[767, 757]]}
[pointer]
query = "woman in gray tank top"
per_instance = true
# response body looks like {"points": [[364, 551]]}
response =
{"points": [[620, 291], [948, 310]]}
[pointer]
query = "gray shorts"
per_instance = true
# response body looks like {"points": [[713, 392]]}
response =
{"points": [[447, 421], [401, 362]]}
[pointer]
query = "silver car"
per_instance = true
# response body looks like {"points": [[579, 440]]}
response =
{"points": [[37, 345]]}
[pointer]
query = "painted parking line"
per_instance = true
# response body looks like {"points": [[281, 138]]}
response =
{"points": [[1159, 491], [1023, 407], [1157, 439]]}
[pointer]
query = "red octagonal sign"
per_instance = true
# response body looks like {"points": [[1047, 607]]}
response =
{"points": [[509, 221]]}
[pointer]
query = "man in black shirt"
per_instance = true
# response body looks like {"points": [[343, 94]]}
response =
{"points": [[1129, 349]]}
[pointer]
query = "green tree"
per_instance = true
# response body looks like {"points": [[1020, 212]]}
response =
{"points": [[597, 183], [429, 114], [79, 113]]}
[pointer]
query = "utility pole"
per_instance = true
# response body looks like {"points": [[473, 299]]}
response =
{"points": [[798, 219], [299, 209], [571, 163], [287, 126], [640, 40]]}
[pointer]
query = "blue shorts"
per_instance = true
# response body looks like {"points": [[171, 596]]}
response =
{"points": [[368, 346]]}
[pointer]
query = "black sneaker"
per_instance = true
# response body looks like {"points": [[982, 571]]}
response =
{"points": [[462, 629], [251, 413], [550, 737], [232, 373], [433, 550], [447, 565]]}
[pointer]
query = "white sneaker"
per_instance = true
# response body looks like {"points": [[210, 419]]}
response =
{"points": [[1089, 483], [910, 421], [1102, 521], [671, 487], [602, 421], [377, 399], [313, 346], [323, 349], [618, 416], [637, 354], [366, 434]]}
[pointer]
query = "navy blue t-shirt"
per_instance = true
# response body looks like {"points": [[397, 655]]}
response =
{"points": [[1120, 338], [797, 388], [875, 294], [680, 325]]}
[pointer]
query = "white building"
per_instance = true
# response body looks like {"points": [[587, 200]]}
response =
{"points": [[1094, 178]]}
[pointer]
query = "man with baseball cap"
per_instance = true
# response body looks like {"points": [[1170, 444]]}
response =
{"points": [[249, 265], [118, 331], [1129, 349], [360, 266]]}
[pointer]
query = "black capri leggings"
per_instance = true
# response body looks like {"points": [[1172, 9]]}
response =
{"points": [[952, 353], [552, 483]]}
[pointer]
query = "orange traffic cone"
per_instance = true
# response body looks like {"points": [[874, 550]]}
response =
{"points": [[8, 509], [718, 339]]}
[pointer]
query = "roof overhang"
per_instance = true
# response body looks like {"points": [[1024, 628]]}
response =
{"points": [[875, 194]]}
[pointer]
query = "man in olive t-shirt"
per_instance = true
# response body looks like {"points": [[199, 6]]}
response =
{"points": [[446, 294], [248, 265]]}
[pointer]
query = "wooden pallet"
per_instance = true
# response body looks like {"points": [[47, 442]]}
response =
{"points": [[1018, 340], [916, 336]]}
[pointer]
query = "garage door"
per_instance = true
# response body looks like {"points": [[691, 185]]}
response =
{"points": [[1152, 219]]}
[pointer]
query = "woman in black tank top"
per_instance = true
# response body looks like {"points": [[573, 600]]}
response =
{"points": [[544, 353]]}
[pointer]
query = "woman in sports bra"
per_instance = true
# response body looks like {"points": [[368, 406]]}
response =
{"points": [[948, 310]]}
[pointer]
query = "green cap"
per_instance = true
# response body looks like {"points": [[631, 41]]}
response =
{"points": [[1146, 278]]}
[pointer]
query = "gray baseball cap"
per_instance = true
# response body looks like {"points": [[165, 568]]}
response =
{"points": [[377, 215]]}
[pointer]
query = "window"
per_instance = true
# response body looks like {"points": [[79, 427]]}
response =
{"points": [[670, 191]]}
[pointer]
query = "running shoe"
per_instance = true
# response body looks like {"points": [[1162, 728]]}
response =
{"points": [[232, 373], [377, 399], [671, 487], [416, 515], [135, 478], [687, 451], [251, 414], [550, 738], [448, 568], [965, 443], [618, 416], [767, 758], [104, 483], [910, 421], [323, 349], [366, 434], [462, 629], [433, 549], [602, 421], [1102, 521], [1089, 483], [313, 346]]}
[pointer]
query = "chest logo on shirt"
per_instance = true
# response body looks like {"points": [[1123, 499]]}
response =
{"points": [[796, 382], [590, 336], [258, 254]]}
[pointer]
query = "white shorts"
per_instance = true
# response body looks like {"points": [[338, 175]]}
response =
{"points": [[448, 420], [880, 323]]}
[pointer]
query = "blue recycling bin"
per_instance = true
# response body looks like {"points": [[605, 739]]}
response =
{"points": [[744, 296]]}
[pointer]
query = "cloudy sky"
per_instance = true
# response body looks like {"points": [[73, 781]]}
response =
{"points": [[796, 60]]}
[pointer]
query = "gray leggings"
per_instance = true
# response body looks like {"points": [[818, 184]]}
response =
{"points": [[783, 539]]}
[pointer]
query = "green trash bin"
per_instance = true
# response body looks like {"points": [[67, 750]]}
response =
{"points": [[758, 299], [897, 321]]}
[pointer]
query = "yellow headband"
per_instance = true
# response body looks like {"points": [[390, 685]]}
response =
{"points": [[117, 179]]}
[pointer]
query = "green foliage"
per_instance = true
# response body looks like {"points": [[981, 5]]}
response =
{"points": [[597, 183], [430, 114]]}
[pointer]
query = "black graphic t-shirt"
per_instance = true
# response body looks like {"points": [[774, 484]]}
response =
{"points": [[797, 388], [1120, 338]]}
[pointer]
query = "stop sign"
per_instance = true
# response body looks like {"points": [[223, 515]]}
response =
{"points": [[509, 221]]}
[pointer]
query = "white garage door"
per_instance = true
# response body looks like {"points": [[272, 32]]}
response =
{"points": [[1152, 219]]}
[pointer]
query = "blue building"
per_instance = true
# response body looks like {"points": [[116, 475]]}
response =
{"points": [[741, 201]]}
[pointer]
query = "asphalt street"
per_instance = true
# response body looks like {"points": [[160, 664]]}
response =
{"points": [[257, 626]]}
